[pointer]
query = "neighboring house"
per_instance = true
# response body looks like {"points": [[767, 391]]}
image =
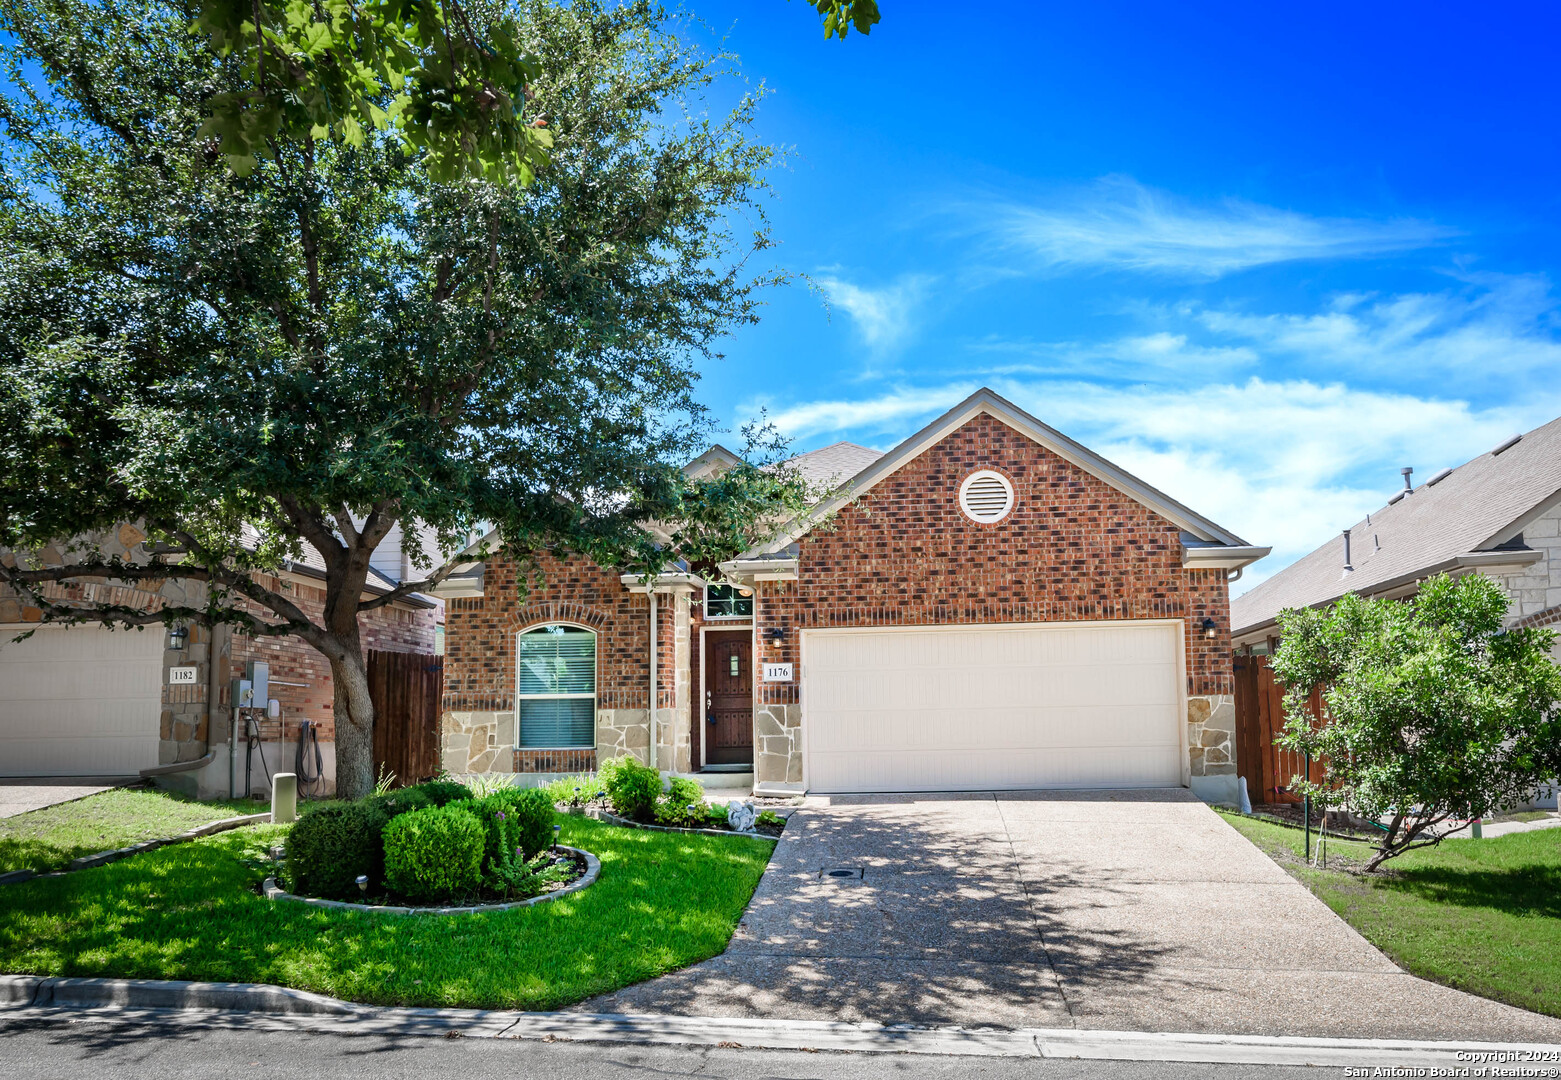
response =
{"points": [[90, 701], [989, 605], [1498, 515]]}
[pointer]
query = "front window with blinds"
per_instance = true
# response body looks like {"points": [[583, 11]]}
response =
{"points": [[557, 691]]}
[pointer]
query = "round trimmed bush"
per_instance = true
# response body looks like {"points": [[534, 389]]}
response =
{"points": [[328, 847], [434, 853], [530, 812], [443, 792]]}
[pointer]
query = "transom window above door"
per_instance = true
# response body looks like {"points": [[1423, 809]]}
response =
{"points": [[556, 688], [727, 601]]}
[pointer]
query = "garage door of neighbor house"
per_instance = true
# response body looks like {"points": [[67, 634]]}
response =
{"points": [[80, 701], [1040, 705]]}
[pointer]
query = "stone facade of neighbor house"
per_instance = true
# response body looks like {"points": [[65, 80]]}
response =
{"points": [[1074, 548], [1536, 591]]}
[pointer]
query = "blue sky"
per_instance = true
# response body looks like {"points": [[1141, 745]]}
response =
{"points": [[1262, 259]]}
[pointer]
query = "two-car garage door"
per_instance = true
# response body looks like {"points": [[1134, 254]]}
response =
{"points": [[1066, 705], [80, 701]]}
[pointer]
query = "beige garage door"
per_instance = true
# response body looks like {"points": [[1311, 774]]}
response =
{"points": [[80, 701], [1034, 706]]}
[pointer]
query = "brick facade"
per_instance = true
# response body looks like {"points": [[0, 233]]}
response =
{"points": [[1074, 548]]}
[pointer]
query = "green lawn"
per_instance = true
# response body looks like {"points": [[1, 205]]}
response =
{"points": [[1480, 915], [50, 838], [663, 901]]}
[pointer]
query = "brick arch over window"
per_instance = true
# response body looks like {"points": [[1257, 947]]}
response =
{"points": [[480, 633]]}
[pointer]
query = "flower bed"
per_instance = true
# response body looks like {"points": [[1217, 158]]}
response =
{"points": [[435, 845], [625, 792], [583, 870]]}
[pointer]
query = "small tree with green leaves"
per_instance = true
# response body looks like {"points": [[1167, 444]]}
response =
{"points": [[1433, 711]]}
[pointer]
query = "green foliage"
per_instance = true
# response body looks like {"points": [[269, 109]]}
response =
{"points": [[527, 819], [346, 340], [770, 819], [576, 790], [1435, 711], [443, 792], [683, 804], [839, 16], [450, 77], [49, 838], [331, 845], [631, 788], [400, 801], [435, 854], [715, 815]]}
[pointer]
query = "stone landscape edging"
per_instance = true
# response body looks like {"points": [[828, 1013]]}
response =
{"points": [[103, 858], [629, 823], [593, 870]]}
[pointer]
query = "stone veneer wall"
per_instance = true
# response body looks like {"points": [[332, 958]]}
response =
{"points": [[904, 554], [1211, 746], [479, 667]]}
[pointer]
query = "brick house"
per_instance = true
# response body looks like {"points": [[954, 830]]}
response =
{"points": [[90, 701], [988, 605]]}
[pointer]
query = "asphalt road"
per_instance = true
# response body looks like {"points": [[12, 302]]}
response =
{"points": [[76, 1050]]}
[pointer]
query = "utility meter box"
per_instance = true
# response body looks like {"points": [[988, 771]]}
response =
{"points": [[242, 694], [258, 674]]}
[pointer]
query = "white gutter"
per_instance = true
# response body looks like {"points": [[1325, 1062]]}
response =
{"points": [[1221, 556], [775, 568]]}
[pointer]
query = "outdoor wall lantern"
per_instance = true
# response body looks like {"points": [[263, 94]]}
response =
{"points": [[1210, 628], [178, 636], [774, 634]]}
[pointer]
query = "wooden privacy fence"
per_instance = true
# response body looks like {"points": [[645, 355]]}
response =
{"points": [[406, 688], [1260, 715]]}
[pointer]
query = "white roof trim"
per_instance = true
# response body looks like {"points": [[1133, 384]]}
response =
{"points": [[1222, 556], [986, 401]]}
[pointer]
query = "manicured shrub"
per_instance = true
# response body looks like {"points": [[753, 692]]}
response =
{"points": [[328, 847], [632, 788], [528, 812], [435, 853], [443, 792], [400, 801], [683, 804]]}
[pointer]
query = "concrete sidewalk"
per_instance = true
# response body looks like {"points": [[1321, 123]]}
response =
{"points": [[1087, 910]]}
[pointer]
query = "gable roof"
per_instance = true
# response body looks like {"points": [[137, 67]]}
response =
{"points": [[826, 469], [1206, 538], [1466, 517]]}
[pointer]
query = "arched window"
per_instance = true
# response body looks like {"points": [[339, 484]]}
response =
{"points": [[556, 688]]}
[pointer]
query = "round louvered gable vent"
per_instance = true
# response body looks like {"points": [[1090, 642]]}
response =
{"points": [[986, 496]]}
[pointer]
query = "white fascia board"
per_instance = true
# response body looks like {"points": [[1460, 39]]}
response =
{"points": [[636, 583], [780, 568], [1006, 412], [1222, 556], [465, 586]]}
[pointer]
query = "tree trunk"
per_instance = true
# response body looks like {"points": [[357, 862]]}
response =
{"points": [[354, 713]]}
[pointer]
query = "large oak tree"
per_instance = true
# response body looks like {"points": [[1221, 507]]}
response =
{"points": [[350, 336]]}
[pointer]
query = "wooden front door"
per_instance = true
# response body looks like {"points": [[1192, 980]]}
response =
{"points": [[729, 697]]}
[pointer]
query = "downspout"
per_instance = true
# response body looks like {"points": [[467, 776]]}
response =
{"points": [[651, 592]]}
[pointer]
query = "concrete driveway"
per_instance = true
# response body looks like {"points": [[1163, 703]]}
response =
{"points": [[1119, 910], [21, 794]]}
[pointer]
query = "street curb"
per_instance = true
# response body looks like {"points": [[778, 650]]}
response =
{"points": [[275, 1008]]}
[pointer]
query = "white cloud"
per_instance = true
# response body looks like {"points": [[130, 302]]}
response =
{"points": [[1504, 324], [884, 317], [1282, 463], [1119, 223]]}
